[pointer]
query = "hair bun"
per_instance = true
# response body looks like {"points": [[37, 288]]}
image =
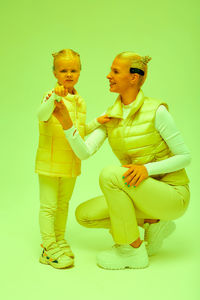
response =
{"points": [[146, 59]]}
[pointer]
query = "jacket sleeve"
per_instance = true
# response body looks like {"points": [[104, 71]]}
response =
{"points": [[47, 106]]}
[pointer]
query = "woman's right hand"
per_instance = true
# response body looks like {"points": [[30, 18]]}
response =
{"points": [[103, 119], [61, 91]]}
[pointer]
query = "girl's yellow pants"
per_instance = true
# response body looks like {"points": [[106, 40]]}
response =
{"points": [[55, 193], [122, 208]]}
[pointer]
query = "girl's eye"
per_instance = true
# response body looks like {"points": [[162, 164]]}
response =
{"points": [[73, 71]]}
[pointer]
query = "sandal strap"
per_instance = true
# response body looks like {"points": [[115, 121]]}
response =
{"points": [[63, 243], [53, 253]]}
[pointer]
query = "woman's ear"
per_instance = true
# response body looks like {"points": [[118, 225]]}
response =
{"points": [[54, 73], [135, 78]]}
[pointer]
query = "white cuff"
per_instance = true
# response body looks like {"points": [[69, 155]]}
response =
{"points": [[69, 133]]}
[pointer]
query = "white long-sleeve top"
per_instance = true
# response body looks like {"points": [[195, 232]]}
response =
{"points": [[47, 107], [164, 124]]}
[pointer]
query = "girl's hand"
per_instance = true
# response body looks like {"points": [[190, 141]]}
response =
{"points": [[62, 115], [135, 174], [61, 91], [103, 119]]}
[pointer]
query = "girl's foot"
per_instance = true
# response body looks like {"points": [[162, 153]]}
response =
{"points": [[66, 248], [56, 258]]}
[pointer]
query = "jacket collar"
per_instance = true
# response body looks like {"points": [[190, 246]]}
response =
{"points": [[116, 110]]}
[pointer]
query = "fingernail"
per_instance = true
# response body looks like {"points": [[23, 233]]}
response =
{"points": [[123, 177], [128, 185], [125, 182], [134, 186]]}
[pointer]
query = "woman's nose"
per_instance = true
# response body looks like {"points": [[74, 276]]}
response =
{"points": [[108, 76]]}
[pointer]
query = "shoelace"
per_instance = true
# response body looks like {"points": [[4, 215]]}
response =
{"points": [[146, 227]]}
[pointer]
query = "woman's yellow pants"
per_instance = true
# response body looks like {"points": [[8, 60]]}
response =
{"points": [[122, 208], [55, 193]]}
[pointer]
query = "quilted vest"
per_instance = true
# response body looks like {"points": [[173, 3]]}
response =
{"points": [[54, 155], [135, 140]]}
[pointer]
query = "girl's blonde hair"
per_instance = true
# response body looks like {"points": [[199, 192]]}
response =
{"points": [[63, 53], [137, 61]]}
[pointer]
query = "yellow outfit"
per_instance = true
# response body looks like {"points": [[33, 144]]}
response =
{"points": [[58, 167], [135, 141], [55, 156]]}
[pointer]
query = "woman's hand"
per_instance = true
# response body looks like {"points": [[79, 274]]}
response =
{"points": [[62, 115], [103, 119], [61, 91], [135, 174]]}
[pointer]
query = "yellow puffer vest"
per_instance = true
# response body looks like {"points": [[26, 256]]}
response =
{"points": [[135, 140], [54, 155]]}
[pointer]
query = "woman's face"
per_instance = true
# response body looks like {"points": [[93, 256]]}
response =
{"points": [[120, 77]]}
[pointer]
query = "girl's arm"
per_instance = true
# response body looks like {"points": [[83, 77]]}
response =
{"points": [[47, 106], [165, 125], [84, 149]]}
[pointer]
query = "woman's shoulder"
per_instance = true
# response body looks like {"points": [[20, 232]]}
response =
{"points": [[154, 103]]}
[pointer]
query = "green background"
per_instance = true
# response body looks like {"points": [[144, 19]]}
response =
{"points": [[31, 31]]}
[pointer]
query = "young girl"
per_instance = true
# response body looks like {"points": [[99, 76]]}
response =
{"points": [[56, 163]]}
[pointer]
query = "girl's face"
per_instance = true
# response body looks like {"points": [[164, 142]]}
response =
{"points": [[67, 71], [120, 77]]}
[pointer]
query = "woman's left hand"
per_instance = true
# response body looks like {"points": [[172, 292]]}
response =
{"points": [[135, 174], [103, 119]]}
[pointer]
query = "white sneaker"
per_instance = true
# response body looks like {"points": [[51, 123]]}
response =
{"points": [[123, 256], [155, 234], [56, 258], [66, 248]]}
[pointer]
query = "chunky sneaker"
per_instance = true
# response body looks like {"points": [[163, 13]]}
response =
{"points": [[56, 258], [155, 234], [66, 248], [123, 256]]}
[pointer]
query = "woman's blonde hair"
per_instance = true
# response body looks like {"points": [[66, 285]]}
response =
{"points": [[63, 53], [137, 61]]}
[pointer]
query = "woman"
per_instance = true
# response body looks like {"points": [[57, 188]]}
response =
{"points": [[151, 187]]}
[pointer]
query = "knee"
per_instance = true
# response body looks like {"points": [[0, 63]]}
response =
{"points": [[106, 173], [109, 175], [48, 208], [82, 215]]}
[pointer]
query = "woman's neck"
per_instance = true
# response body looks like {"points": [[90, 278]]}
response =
{"points": [[129, 96]]}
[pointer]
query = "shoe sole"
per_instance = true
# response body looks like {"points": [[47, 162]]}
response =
{"points": [[109, 267], [164, 232], [125, 265]]}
